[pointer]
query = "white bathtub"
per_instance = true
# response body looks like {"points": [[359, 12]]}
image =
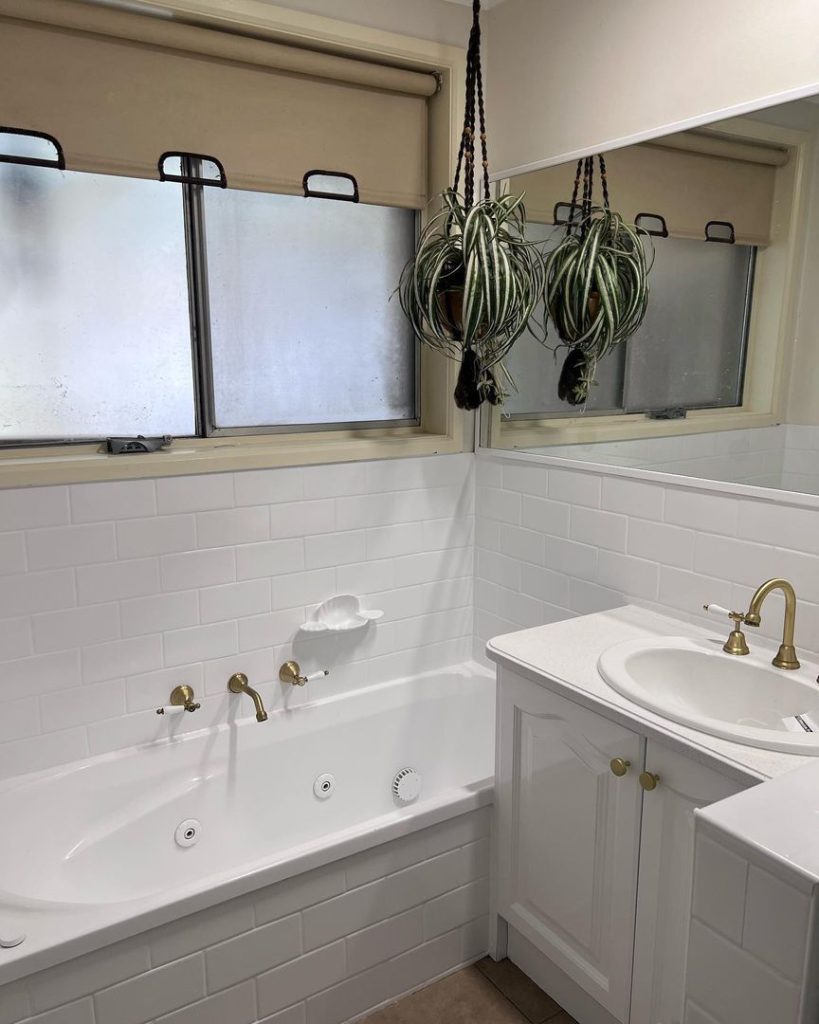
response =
{"points": [[88, 855]]}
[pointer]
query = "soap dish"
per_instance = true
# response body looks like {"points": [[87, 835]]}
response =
{"points": [[340, 614]]}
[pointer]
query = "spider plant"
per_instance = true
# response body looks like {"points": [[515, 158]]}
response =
{"points": [[596, 294], [471, 287]]}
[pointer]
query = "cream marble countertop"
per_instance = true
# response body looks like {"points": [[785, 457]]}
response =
{"points": [[562, 656]]}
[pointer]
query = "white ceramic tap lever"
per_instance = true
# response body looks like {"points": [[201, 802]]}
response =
{"points": [[717, 609]]}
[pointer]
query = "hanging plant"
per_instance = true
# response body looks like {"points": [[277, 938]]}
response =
{"points": [[474, 281], [596, 285]]}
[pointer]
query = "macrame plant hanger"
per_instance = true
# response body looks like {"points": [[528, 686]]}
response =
{"points": [[472, 377]]}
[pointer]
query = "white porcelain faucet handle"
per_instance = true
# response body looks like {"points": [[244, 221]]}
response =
{"points": [[717, 609]]}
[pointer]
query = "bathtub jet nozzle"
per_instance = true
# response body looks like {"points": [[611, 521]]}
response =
{"points": [[238, 684]]}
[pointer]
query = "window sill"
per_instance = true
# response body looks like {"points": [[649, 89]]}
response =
{"points": [[71, 464], [517, 434]]}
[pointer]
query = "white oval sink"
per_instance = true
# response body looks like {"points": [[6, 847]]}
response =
{"points": [[694, 682]]}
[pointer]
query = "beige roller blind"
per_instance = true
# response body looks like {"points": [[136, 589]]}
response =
{"points": [[118, 89], [689, 182]]}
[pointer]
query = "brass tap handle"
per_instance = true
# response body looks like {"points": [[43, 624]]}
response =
{"points": [[290, 672], [736, 642], [619, 766], [181, 699]]}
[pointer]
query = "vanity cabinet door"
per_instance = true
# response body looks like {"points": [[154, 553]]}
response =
{"points": [[666, 877], [568, 836]]}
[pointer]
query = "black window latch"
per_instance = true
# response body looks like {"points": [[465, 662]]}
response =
{"points": [[138, 445]]}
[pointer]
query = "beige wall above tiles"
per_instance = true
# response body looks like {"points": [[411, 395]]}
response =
{"points": [[569, 78]]}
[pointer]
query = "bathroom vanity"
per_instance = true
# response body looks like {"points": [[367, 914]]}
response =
{"points": [[596, 798]]}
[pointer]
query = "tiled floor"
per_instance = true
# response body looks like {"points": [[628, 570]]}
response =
{"points": [[488, 993]]}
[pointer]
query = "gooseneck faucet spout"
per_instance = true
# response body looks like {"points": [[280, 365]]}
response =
{"points": [[238, 684], [786, 655]]}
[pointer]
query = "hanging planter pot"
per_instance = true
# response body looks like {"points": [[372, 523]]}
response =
{"points": [[596, 285], [474, 281]]}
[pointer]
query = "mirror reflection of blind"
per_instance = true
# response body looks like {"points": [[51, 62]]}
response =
{"points": [[118, 89], [689, 178]]}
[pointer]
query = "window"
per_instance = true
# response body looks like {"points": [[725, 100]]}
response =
{"points": [[304, 328], [94, 322], [290, 300], [200, 311], [688, 354]]}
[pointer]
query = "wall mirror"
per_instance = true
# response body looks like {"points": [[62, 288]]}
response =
{"points": [[721, 381]]}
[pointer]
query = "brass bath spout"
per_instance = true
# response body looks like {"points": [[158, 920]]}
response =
{"points": [[238, 684], [786, 655]]}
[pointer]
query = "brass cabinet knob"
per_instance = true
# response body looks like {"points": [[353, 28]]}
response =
{"points": [[619, 766], [649, 781]]}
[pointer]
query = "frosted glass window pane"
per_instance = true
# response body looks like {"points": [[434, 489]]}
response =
{"points": [[690, 349], [536, 370], [94, 327], [305, 328]]}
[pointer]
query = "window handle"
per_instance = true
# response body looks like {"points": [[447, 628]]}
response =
{"points": [[57, 161], [345, 197], [191, 179], [712, 236]]}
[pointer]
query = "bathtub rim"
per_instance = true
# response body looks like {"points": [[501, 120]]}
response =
{"points": [[95, 927]]}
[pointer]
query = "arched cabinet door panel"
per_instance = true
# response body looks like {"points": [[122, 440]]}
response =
{"points": [[569, 835], [666, 879]]}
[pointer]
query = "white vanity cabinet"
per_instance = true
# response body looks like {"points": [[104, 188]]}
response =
{"points": [[593, 870]]}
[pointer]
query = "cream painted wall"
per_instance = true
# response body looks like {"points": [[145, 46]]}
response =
{"points": [[441, 21], [803, 397], [648, 68]]}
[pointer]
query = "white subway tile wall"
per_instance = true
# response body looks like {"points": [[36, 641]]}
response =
{"points": [[112, 593], [749, 950], [551, 543], [293, 952], [785, 456]]}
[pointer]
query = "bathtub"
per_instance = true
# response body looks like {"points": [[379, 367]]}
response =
{"points": [[103, 849]]}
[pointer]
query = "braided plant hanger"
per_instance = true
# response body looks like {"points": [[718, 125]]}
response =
{"points": [[596, 283], [474, 281]]}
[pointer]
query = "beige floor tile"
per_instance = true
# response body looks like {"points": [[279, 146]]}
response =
{"points": [[466, 997], [533, 1003]]}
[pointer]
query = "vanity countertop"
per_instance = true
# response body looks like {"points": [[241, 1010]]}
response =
{"points": [[563, 656]]}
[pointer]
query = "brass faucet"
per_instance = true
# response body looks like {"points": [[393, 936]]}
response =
{"points": [[238, 684], [786, 655]]}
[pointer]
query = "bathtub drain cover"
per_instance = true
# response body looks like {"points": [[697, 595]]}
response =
{"points": [[188, 832], [406, 786]]}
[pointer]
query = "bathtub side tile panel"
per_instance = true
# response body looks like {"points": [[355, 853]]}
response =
{"points": [[150, 995], [256, 951], [218, 966], [81, 1012], [233, 1006], [90, 973], [138, 577], [387, 981], [295, 981]]}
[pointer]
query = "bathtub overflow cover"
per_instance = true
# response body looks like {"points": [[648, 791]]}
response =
{"points": [[324, 786], [188, 832]]}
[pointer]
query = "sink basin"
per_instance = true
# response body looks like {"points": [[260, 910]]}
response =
{"points": [[694, 682]]}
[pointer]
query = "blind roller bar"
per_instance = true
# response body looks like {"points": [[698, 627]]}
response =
{"points": [[708, 144], [172, 35]]}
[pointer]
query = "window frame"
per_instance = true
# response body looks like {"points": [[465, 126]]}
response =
{"points": [[441, 429], [770, 333]]}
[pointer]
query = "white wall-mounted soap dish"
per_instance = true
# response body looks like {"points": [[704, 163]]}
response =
{"points": [[340, 614]]}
